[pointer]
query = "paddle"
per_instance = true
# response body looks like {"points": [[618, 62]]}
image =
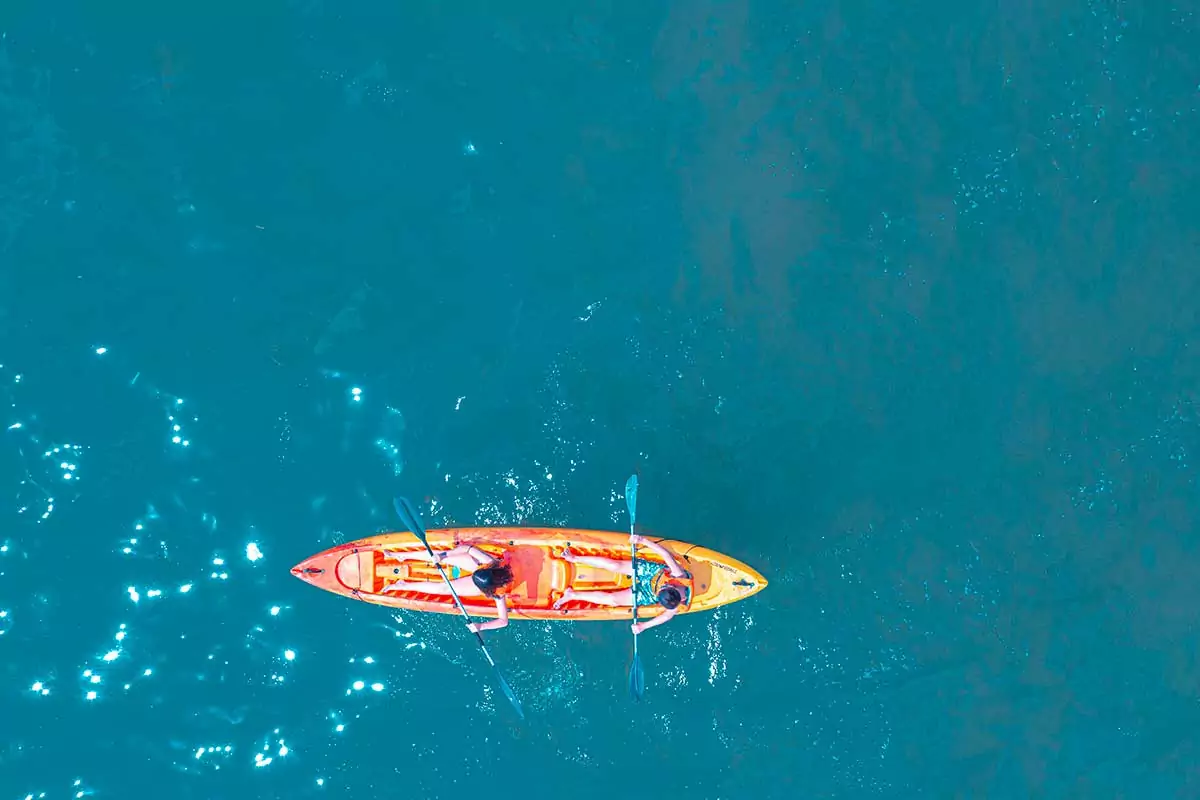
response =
{"points": [[408, 515], [637, 677]]}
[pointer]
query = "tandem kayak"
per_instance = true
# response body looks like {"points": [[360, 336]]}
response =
{"points": [[366, 570]]}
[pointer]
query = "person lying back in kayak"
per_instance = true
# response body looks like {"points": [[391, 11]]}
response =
{"points": [[669, 586], [490, 577]]}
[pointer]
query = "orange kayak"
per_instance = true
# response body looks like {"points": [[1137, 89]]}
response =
{"points": [[362, 570]]}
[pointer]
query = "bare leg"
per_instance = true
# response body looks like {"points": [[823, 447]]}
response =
{"points": [[452, 558], [465, 586], [616, 597], [619, 566], [406, 555]]}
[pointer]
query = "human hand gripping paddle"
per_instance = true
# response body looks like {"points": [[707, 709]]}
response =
{"points": [[637, 677], [408, 515]]}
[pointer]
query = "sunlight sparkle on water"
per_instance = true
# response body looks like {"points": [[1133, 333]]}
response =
{"points": [[262, 759], [177, 435], [213, 750], [167, 548]]}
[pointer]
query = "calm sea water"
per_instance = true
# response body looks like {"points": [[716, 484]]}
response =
{"points": [[894, 304]]}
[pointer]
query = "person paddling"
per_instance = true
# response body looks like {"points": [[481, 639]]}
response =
{"points": [[668, 586], [490, 577]]}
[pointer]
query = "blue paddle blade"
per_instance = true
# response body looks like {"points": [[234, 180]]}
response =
{"points": [[409, 516], [631, 499], [510, 694], [637, 678]]}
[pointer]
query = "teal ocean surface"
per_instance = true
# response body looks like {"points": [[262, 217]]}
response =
{"points": [[894, 303]]}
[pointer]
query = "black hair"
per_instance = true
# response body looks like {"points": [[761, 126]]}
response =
{"points": [[669, 597], [489, 579]]}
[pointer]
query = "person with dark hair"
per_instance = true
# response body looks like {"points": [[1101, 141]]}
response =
{"points": [[489, 577], [666, 584]]}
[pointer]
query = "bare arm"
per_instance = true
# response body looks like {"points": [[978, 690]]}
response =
{"points": [[469, 550], [457, 550], [673, 565], [495, 624], [478, 556], [664, 617]]}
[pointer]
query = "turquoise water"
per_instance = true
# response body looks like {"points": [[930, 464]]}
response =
{"points": [[894, 304]]}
